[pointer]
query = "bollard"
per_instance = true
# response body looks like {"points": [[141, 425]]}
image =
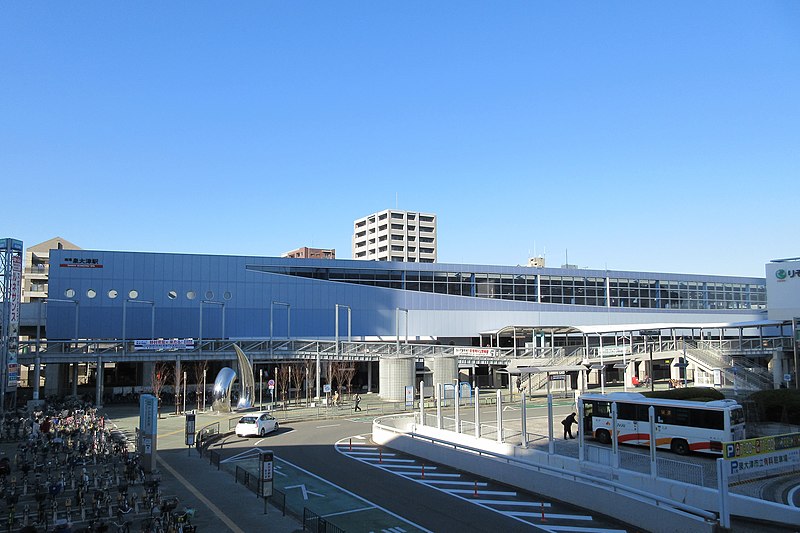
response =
{"points": [[476, 489], [83, 512], [423, 470], [543, 518], [380, 456], [69, 509], [55, 511], [351, 445]]}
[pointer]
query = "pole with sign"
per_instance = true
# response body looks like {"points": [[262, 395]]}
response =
{"points": [[148, 430], [271, 386], [266, 474], [190, 425]]}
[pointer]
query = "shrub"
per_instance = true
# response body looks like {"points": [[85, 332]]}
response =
{"points": [[782, 405]]}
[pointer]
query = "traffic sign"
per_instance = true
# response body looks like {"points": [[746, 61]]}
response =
{"points": [[271, 384]]}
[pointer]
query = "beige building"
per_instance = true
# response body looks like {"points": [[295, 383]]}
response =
{"points": [[36, 269], [311, 253], [393, 235]]}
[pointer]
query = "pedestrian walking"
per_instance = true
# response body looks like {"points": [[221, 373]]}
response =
{"points": [[567, 422], [336, 397], [358, 401]]}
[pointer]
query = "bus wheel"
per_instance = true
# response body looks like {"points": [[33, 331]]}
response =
{"points": [[680, 446], [603, 436]]}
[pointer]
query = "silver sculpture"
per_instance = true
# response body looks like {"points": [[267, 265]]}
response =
{"points": [[223, 385]]}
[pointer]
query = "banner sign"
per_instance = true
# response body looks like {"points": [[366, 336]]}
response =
{"points": [[614, 350], [474, 352], [12, 339], [761, 445], [164, 344], [752, 458]]}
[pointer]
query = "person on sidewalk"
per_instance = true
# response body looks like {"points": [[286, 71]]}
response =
{"points": [[567, 422], [357, 401]]}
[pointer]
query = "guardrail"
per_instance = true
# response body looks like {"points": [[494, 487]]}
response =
{"points": [[314, 522], [565, 474]]}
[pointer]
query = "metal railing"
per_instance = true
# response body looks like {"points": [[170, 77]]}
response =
{"points": [[317, 524], [560, 472]]}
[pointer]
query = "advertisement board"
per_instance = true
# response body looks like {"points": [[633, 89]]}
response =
{"points": [[783, 290]]}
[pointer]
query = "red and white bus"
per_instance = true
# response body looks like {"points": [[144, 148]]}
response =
{"points": [[681, 426]]}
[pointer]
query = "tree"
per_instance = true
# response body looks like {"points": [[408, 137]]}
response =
{"points": [[283, 380], [298, 376], [198, 371], [349, 374], [162, 372]]}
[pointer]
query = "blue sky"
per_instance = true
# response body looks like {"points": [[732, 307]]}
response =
{"points": [[636, 135]]}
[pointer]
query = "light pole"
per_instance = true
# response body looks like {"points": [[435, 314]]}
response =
{"points": [[288, 321], [397, 311], [200, 336], [349, 325], [37, 367], [125, 303]]}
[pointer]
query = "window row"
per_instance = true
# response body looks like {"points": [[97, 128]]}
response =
{"points": [[133, 294]]}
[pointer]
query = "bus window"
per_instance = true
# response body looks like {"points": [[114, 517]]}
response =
{"points": [[708, 419], [737, 416], [626, 411]]}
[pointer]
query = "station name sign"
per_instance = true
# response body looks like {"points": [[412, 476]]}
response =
{"points": [[81, 262]]}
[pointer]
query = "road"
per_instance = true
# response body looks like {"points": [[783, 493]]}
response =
{"points": [[446, 500]]}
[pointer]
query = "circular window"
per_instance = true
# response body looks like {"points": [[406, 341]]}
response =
{"points": [[227, 295], [209, 295], [133, 294], [69, 293], [172, 295], [191, 295], [112, 293], [91, 293]]}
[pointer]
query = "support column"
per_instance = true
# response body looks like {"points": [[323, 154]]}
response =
{"points": [[74, 380], [178, 377], [369, 376], [499, 415], [98, 393], [477, 413]]}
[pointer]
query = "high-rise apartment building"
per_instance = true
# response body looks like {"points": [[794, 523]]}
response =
{"points": [[393, 235]]}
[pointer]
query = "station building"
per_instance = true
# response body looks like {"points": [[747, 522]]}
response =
{"points": [[100, 294]]}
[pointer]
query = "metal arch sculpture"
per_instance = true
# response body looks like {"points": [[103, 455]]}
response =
{"points": [[224, 383], [222, 390], [246, 381]]}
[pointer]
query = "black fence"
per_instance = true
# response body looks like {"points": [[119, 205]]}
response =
{"points": [[315, 523], [251, 481]]}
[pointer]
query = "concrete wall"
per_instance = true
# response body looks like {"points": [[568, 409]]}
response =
{"points": [[395, 374]]}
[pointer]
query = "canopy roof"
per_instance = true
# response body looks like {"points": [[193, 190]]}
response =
{"points": [[614, 328]]}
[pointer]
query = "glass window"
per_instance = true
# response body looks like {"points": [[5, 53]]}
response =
{"points": [[112, 293]]}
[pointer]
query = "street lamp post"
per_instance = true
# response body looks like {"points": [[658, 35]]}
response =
{"points": [[397, 326], [349, 325], [200, 336], [125, 303], [37, 367], [288, 321]]}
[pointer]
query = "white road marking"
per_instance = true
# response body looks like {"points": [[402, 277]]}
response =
{"points": [[305, 491], [348, 512], [514, 503], [582, 529], [466, 483], [411, 467], [432, 474], [329, 426], [549, 515], [354, 495], [374, 460], [371, 454], [483, 492]]}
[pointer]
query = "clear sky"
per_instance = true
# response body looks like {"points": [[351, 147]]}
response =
{"points": [[654, 136]]}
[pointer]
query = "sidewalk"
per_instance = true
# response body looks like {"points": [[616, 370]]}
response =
{"points": [[220, 503]]}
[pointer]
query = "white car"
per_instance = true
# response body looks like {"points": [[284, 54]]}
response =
{"points": [[258, 424]]}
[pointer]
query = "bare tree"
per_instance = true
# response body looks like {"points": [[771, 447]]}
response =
{"points": [[339, 371], [311, 375], [283, 380], [349, 374], [198, 371], [298, 376], [162, 372]]}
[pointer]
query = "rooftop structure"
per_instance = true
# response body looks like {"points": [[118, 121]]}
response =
{"points": [[392, 235]]}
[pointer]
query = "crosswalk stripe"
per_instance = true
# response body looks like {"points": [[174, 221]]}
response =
{"points": [[483, 492]]}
